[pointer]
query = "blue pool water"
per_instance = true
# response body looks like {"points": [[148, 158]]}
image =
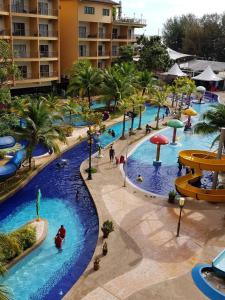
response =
{"points": [[147, 117], [160, 180], [46, 273]]}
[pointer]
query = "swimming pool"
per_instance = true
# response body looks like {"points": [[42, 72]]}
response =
{"points": [[148, 116], [46, 273], [160, 180]]}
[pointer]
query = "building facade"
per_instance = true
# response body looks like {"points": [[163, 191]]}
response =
{"points": [[94, 30], [32, 29]]}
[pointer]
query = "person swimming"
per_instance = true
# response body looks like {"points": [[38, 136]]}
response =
{"points": [[62, 232], [139, 178]]}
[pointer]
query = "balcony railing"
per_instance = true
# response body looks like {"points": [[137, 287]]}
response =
{"points": [[104, 36], [4, 32], [103, 53], [115, 53], [46, 74], [48, 54], [27, 75], [22, 9], [47, 11], [18, 54], [22, 32], [119, 37], [48, 33], [128, 20], [86, 35]]}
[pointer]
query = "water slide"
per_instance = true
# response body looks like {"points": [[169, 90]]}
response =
{"points": [[10, 168], [200, 160]]}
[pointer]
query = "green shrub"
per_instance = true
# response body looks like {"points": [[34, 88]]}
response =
{"points": [[2, 154], [26, 236], [14, 243]]}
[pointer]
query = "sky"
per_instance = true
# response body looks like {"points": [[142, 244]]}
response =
{"points": [[156, 12]]}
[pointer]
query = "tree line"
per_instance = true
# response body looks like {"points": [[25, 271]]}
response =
{"points": [[203, 36]]}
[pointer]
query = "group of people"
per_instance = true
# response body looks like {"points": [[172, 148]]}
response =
{"points": [[111, 132], [60, 236]]}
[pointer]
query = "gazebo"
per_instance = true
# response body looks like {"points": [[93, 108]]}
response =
{"points": [[207, 75], [158, 140], [175, 71]]}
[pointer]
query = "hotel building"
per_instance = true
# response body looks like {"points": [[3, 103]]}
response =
{"points": [[94, 30]]}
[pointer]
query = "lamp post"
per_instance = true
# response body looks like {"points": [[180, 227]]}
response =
{"points": [[181, 204], [90, 143]]}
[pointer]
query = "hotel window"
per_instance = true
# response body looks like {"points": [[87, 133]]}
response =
{"points": [[105, 12], [114, 50], [44, 52], [19, 29], [23, 71], [18, 6], [83, 50], [43, 29], [20, 50], [44, 70], [89, 10], [82, 32], [43, 8]]}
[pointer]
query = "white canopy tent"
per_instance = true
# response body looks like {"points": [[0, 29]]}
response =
{"points": [[174, 55], [207, 75], [175, 71]]}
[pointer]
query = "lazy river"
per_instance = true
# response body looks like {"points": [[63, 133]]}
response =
{"points": [[47, 273]]}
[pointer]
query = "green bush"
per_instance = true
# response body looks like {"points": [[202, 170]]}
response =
{"points": [[14, 243], [2, 154], [26, 236]]}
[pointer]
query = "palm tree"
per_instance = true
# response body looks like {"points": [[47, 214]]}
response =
{"points": [[160, 98], [145, 81], [85, 83], [40, 127], [140, 105], [70, 106], [123, 106], [211, 121], [115, 86]]}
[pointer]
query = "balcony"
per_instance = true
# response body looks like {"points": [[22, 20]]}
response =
{"points": [[115, 53], [48, 33], [4, 32], [48, 54], [20, 54], [22, 32], [104, 36], [103, 53], [47, 11], [85, 35], [46, 74], [130, 21], [27, 75], [20, 9], [119, 37]]}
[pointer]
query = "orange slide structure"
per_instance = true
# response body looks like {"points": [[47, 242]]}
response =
{"points": [[200, 160]]}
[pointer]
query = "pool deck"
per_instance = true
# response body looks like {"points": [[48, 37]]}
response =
{"points": [[146, 260]]}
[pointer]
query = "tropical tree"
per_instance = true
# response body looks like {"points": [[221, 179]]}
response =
{"points": [[85, 83], [40, 127], [211, 121], [160, 98], [175, 93], [140, 104], [123, 106], [126, 53], [115, 86], [70, 107], [145, 81], [153, 54]]}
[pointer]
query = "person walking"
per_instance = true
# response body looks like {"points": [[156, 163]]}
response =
{"points": [[111, 154]]}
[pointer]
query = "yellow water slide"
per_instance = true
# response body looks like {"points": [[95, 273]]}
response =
{"points": [[199, 161]]}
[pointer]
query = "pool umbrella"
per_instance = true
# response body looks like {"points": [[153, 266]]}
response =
{"points": [[38, 202], [175, 124], [190, 113], [158, 140]]}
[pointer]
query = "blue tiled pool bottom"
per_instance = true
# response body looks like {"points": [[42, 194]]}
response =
{"points": [[47, 273], [160, 180]]}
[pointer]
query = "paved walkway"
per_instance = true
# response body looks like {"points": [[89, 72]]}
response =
{"points": [[144, 252]]}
